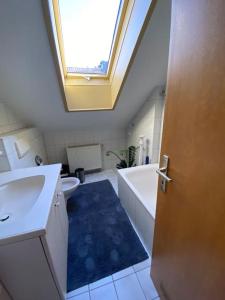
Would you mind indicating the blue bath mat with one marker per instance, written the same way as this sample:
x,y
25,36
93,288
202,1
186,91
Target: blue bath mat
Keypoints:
x,y
102,240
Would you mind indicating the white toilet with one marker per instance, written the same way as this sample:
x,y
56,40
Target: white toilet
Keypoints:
x,y
69,185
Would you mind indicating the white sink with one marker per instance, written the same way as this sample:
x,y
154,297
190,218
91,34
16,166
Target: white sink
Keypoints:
x,y
26,197
19,196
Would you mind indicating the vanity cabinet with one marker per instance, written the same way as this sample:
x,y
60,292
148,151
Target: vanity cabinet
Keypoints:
x,y
55,241
36,268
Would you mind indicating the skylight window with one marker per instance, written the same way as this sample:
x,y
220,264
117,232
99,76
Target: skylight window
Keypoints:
x,y
89,29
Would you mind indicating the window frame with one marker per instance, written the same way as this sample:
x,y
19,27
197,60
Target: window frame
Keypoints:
x,y
113,49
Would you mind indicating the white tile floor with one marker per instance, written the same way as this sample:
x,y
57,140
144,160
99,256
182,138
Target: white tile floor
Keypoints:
x,y
133,283
106,174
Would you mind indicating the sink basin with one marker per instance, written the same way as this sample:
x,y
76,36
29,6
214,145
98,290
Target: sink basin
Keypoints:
x,y
18,197
26,199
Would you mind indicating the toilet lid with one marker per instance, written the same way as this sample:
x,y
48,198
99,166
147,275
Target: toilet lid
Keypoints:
x,y
69,182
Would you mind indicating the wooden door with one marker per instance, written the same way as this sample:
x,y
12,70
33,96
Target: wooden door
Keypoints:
x,y
189,240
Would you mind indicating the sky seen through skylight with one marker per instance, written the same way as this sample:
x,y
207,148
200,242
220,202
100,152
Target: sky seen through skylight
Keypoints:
x,y
87,29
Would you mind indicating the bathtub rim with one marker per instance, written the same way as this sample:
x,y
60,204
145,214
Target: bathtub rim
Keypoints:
x,y
124,172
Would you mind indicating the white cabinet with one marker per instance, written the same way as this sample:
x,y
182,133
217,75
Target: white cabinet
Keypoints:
x,y
37,268
56,241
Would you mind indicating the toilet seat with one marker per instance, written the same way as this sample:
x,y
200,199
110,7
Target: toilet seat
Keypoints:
x,y
69,185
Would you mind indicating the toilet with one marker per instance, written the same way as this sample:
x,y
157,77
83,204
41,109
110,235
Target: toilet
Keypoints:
x,y
69,185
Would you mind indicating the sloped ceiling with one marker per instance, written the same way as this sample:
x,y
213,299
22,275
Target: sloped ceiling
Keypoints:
x,y
28,81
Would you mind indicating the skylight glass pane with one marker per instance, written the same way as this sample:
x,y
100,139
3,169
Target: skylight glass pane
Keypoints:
x,y
88,29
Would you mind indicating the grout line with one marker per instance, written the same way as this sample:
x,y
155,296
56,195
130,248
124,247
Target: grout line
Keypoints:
x,y
76,294
141,269
123,276
112,282
155,298
141,286
89,292
115,290
99,285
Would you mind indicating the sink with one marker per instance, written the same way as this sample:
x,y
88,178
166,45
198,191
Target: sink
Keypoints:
x,y
18,197
26,198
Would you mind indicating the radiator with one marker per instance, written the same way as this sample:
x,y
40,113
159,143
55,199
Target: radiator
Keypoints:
x,y
88,157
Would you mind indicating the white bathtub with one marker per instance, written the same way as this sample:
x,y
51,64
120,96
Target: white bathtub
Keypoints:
x,y
137,189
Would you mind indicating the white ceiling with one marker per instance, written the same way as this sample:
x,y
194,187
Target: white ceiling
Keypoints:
x,y
28,81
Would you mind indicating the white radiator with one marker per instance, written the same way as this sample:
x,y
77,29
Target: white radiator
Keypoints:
x,y
88,157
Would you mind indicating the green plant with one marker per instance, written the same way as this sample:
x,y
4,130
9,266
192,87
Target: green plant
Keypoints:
x,y
129,155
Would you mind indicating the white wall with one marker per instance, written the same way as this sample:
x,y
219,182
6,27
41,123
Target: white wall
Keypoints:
x,y
57,141
8,119
9,159
148,122
12,128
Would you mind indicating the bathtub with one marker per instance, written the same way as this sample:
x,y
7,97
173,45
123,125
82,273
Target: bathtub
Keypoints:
x,y
137,189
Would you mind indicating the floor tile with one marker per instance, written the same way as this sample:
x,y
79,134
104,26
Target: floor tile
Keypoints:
x,y
100,282
147,284
84,296
128,288
142,265
106,174
105,292
81,290
123,273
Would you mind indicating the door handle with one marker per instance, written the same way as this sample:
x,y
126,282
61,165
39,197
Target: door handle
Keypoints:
x,y
162,172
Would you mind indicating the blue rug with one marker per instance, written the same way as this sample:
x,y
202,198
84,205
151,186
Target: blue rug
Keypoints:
x,y
102,240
